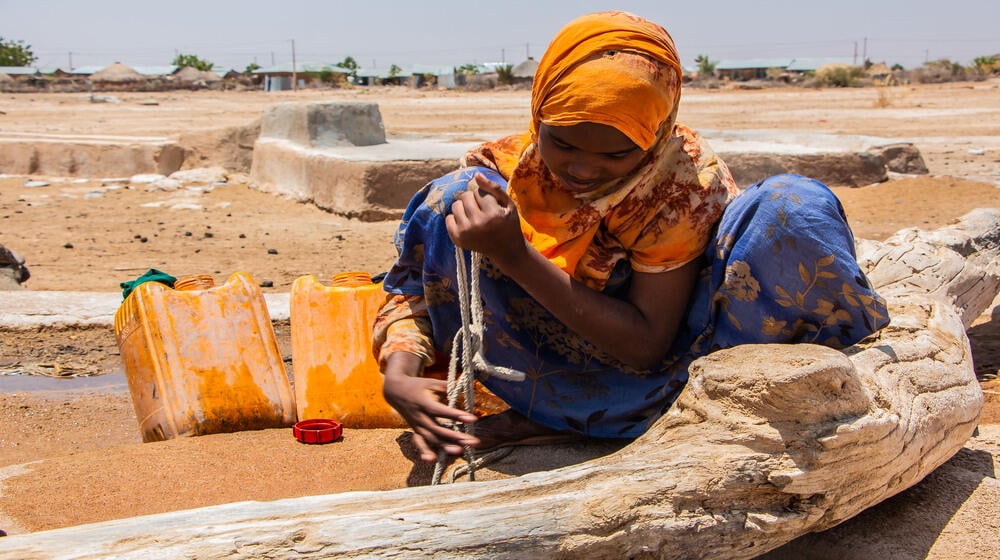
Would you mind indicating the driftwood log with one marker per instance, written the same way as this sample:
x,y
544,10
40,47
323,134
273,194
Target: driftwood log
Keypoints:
x,y
765,444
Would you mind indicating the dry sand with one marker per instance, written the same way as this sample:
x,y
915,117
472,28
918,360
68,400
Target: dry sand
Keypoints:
x,y
65,448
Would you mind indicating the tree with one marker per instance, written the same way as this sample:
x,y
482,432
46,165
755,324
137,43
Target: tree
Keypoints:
x,y
394,71
15,53
706,67
350,65
467,69
986,64
193,61
251,67
505,74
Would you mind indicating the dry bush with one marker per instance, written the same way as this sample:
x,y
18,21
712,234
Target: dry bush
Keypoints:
x,y
839,75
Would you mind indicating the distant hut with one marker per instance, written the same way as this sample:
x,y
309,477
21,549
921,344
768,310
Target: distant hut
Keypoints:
x,y
192,77
524,73
117,73
187,74
880,73
5,79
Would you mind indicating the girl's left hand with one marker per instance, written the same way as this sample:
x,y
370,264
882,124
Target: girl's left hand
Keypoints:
x,y
485,219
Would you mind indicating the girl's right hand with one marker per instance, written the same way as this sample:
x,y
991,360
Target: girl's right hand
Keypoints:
x,y
417,401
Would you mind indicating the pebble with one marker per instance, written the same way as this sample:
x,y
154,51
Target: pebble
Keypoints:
x,y
977,151
146,178
68,246
35,184
267,284
272,251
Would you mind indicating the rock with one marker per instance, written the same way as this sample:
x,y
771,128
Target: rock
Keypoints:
x,y
104,99
852,169
201,175
145,178
901,158
164,184
13,273
35,184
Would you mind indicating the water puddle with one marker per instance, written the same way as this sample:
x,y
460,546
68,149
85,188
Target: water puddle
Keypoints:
x,y
109,383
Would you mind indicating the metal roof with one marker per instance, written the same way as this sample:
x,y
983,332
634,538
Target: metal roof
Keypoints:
x,y
303,67
18,70
382,73
84,70
751,63
791,64
431,69
155,70
809,64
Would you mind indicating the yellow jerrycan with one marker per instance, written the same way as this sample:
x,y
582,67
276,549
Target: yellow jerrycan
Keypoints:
x,y
336,376
202,359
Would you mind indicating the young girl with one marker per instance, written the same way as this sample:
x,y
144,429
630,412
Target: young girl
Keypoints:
x,y
617,249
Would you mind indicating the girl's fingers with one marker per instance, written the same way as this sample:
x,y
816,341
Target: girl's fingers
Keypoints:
x,y
493,189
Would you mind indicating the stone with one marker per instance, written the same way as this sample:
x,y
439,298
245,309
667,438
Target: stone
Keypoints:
x,y
901,158
848,169
13,272
201,175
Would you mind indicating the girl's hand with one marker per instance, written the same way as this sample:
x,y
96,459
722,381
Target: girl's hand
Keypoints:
x,y
416,400
485,219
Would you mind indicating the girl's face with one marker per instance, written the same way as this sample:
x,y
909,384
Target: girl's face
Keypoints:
x,y
586,155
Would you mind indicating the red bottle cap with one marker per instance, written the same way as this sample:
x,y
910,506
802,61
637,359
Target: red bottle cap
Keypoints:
x,y
317,430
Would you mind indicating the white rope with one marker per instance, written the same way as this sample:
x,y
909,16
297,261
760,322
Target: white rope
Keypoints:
x,y
468,345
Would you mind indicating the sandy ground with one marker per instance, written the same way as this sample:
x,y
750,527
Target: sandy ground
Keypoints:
x,y
71,446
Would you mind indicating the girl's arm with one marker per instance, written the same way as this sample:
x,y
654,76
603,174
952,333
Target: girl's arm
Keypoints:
x,y
637,330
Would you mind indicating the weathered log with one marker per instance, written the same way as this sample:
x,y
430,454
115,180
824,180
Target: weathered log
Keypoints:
x,y
765,444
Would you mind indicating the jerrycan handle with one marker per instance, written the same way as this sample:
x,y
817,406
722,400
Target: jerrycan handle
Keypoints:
x,y
194,282
351,279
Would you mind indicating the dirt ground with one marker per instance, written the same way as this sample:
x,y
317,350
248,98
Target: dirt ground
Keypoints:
x,y
90,234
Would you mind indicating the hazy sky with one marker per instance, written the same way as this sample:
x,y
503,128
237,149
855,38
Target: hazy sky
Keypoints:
x,y
235,33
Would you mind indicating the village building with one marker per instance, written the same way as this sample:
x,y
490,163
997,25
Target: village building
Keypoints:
x,y
301,75
764,68
524,73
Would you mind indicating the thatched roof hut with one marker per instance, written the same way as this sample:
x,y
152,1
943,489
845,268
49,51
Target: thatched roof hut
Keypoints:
x,y
192,74
878,70
525,69
118,73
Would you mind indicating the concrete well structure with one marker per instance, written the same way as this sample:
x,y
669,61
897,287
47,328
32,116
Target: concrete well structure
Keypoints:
x,y
335,155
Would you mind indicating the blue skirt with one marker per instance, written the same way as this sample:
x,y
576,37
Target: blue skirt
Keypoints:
x,y
780,268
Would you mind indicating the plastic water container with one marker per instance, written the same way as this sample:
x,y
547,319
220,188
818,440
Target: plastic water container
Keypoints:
x,y
202,359
336,376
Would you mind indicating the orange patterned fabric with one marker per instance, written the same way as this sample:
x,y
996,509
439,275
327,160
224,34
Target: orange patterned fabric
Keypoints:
x,y
619,70
403,325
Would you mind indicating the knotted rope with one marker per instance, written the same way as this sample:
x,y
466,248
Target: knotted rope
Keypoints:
x,y
468,346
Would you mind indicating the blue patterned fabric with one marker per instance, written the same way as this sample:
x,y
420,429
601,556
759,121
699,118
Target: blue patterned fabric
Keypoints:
x,y
781,269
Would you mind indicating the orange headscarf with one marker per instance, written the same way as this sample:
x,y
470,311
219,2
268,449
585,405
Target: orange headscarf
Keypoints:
x,y
620,70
